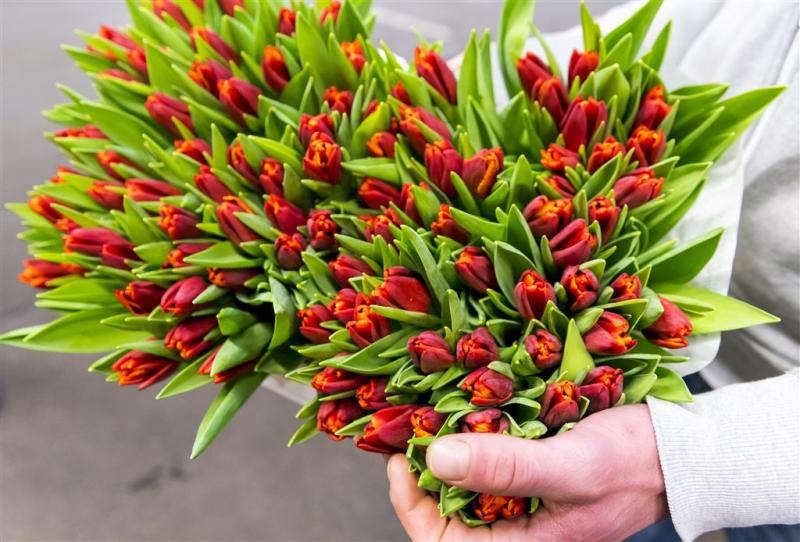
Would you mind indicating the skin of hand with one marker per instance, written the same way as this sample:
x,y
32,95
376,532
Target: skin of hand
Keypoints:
x,y
600,481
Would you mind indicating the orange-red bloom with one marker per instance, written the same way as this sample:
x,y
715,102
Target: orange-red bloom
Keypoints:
x,y
286,21
196,149
582,64
232,279
141,368
179,298
310,319
230,224
149,189
271,177
581,286
367,326
346,267
573,244
371,395
408,125
653,108
211,185
343,305
322,229
289,250
480,172
90,241
637,188
546,216
603,152
239,97
544,348
532,293
355,54
284,215
189,336
381,225
323,160
446,226
560,404
375,194
164,8
330,11
381,145
238,161
208,74
140,297
176,255
432,67
179,223
609,336
492,507
488,387
531,70
441,159
490,420
626,287
38,273
603,210
217,43
477,349
552,95
603,387
165,109
331,380
333,415
43,206
388,431
274,67
476,269
582,119
228,374
426,422
557,158
318,124
338,100
648,145
108,159
561,185
403,290
671,328
430,352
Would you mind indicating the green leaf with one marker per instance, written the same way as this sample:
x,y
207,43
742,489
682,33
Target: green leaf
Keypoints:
x,y
380,168
637,386
682,264
670,387
242,347
313,51
285,319
419,319
88,290
515,23
433,276
223,256
577,361
305,432
476,225
637,26
186,380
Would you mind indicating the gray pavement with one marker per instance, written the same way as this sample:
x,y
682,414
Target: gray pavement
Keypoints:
x,y
84,460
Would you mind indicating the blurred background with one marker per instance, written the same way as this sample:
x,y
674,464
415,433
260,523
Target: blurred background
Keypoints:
x,y
84,460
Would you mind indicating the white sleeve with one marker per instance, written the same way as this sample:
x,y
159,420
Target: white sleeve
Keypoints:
x,y
732,458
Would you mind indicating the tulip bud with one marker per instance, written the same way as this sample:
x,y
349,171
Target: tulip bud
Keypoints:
x,y
331,380
176,255
330,11
371,395
178,223
286,21
476,269
43,206
367,326
90,241
208,74
581,286
477,349
89,131
289,251
626,287
333,415
557,158
346,267
648,145
323,160
285,216
582,119
118,255
108,159
546,216
671,328
532,293
552,95
603,152
230,224
409,128
388,431
231,279
228,374
603,210
115,36
480,171
238,160
560,404
322,230
140,297
544,348
38,273
99,192
573,245
162,8
440,160
399,92
343,305
532,69
138,61
609,336
196,149
581,65
215,42
430,352
352,50
488,387
211,185
381,145
433,69
426,422
653,109
491,420
407,203
446,226
150,189
401,289
165,109
188,337
271,177
142,368
561,185
338,100
375,194
492,507
380,225
310,126
310,319
275,72
179,298
603,387
239,97
637,188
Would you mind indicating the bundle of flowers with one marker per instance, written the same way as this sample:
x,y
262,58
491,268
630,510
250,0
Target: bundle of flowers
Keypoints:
x,y
258,189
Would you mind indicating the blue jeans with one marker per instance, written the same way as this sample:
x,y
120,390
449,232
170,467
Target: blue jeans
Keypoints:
x,y
664,531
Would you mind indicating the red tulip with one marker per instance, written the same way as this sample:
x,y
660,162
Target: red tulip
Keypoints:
x,y
433,69
409,114
637,188
671,328
480,171
352,50
90,241
286,21
162,8
109,159
648,145
141,368
176,255
609,336
557,158
211,185
490,420
323,160
118,255
310,126
388,431
477,349
208,74
239,97
165,109
573,245
401,289
230,224
43,206
367,326
333,415
343,305
552,95
330,11
381,145
531,70
544,349
179,298
231,279
88,131
285,216
38,273
229,6
488,387
560,404
582,64
150,189
441,159
476,269
603,210
117,74
99,192
238,161
492,507
215,42
581,286
140,297
271,177
338,100
289,251
346,267
331,380
546,216
381,225
603,387
426,422
399,92
430,352
138,61
603,152
446,226
274,67
188,337
310,319
196,149
653,109
179,223
582,119
115,36
375,194
626,287
322,229
371,395
561,185
532,293
407,203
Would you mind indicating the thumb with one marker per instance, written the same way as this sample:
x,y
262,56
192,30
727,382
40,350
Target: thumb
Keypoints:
x,y
559,468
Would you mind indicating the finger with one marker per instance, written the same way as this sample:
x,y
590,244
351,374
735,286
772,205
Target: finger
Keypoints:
x,y
559,467
415,509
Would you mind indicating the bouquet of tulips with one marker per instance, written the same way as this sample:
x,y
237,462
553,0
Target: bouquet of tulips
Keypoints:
x,y
258,189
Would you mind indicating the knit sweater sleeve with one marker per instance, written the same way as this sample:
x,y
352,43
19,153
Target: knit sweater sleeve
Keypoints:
x,y
732,458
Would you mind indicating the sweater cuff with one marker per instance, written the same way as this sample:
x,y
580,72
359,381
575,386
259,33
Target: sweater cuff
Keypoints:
x,y
731,458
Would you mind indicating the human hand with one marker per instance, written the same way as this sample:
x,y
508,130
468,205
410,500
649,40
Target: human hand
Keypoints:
x,y
599,481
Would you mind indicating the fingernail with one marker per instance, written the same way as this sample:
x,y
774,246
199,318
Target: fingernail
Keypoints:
x,y
449,459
